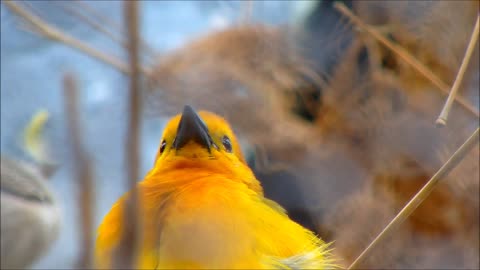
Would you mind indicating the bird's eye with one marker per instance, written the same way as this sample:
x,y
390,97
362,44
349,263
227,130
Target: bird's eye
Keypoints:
x,y
162,146
226,143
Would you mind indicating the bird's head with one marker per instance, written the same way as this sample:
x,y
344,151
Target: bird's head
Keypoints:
x,y
205,143
198,137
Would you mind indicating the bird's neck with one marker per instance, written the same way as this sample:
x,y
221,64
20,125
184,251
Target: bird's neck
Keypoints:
x,y
185,172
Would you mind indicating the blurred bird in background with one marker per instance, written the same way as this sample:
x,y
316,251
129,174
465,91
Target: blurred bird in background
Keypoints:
x,y
202,207
30,217
350,124
30,214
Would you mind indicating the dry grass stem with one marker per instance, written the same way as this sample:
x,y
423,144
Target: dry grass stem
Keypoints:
x,y
421,195
127,252
443,117
82,171
55,34
403,54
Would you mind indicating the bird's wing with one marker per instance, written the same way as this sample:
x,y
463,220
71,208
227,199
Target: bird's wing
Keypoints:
x,y
109,234
310,251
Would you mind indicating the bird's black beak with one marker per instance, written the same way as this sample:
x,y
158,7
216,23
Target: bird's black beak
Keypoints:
x,y
191,128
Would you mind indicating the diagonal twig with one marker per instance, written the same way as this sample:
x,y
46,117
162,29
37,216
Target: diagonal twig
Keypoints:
x,y
101,24
151,53
442,118
407,57
83,173
97,25
451,163
103,19
55,34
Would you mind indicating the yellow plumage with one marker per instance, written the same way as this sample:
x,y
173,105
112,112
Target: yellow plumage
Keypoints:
x,y
202,207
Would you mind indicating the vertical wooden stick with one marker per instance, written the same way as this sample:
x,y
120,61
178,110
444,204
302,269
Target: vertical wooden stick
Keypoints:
x,y
127,252
82,172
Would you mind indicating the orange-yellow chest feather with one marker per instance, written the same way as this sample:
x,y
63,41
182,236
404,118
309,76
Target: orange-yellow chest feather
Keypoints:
x,y
207,226
212,222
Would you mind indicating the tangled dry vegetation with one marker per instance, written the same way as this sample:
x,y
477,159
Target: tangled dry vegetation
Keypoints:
x,y
341,129
358,144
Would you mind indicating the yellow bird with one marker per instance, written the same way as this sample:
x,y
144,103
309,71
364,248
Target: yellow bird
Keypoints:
x,y
201,207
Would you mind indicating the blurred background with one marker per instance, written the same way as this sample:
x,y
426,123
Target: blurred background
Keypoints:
x,y
339,129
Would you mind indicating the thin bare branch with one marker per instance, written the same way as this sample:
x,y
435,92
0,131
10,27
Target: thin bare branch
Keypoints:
x,y
403,54
32,9
246,11
55,34
151,53
83,173
442,118
103,19
97,25
127,252
421,195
